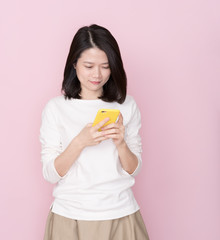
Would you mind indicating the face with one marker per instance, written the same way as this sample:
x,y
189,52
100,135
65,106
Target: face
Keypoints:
x,y
92,69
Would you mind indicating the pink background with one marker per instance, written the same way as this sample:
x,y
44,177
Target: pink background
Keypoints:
x,y
172,57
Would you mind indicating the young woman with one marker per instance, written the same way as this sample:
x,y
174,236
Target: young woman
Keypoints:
x,y
93,170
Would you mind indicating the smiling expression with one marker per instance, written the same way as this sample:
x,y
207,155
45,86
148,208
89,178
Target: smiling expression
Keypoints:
x,y
93,71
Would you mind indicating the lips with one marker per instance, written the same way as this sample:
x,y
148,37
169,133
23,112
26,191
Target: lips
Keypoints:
x,y
95,82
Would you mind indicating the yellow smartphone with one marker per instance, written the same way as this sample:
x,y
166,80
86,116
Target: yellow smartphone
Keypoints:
x,y
112,114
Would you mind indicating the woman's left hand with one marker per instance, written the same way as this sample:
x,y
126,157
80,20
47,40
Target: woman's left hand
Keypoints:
x,y
115,131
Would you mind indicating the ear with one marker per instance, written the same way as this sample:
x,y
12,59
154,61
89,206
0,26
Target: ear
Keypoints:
x,y
74,65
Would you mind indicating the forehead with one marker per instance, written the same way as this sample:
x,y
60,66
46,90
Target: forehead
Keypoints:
x,y
93,55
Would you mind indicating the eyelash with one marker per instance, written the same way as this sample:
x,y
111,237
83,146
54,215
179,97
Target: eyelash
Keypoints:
x,y
102,67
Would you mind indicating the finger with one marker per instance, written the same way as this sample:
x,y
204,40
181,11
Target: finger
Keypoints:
x,y
111,131
99,139
109,126
98,134
100,124
113,136
120,119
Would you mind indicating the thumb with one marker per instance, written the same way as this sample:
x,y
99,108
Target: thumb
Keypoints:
x,y
120,119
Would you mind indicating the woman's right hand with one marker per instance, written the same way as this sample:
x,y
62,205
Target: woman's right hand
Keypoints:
x,y
90,135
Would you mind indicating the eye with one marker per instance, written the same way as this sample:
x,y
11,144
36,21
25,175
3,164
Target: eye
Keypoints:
x,y
88,66
106,67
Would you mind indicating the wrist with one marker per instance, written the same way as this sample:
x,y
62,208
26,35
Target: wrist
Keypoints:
x,y
122,145
78,142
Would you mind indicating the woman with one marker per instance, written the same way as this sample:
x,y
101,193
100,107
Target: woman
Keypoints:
x,y
93,170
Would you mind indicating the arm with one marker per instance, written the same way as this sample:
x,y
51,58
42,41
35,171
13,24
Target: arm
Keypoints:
x,y
89,136
129,160
128,142
56,162
66,159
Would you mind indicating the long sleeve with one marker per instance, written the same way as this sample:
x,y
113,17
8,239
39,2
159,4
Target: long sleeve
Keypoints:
x,y
132,136
96,187
50,144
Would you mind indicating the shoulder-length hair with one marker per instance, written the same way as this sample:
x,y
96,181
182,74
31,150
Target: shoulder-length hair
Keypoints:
x,y
115,88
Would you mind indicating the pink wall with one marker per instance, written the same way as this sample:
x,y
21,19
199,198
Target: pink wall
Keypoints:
x,y
172,56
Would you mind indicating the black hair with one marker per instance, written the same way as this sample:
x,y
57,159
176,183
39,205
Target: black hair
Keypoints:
x,y
115,88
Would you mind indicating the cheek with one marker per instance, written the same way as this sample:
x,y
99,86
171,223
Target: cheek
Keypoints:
x,y
107,75
106,78
82,74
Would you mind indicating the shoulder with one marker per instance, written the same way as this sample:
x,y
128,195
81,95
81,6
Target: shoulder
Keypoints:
x,y
129,109
130,103
55,101
52,105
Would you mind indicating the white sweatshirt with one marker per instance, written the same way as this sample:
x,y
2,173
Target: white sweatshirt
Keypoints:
x,y
96,187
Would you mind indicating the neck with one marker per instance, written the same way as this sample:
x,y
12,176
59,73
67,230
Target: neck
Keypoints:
x,y
89,96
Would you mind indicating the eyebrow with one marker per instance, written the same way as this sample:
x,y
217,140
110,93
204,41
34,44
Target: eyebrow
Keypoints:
x,y
92,62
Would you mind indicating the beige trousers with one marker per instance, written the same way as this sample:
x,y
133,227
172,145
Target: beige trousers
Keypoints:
x,y
130,227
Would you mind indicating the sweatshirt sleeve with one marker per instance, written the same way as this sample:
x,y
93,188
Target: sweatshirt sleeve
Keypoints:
x,y
132,136
50,143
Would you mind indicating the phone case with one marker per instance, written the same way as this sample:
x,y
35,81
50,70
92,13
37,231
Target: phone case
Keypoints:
x,y
104,113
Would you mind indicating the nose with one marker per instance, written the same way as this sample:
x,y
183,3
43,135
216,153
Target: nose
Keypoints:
x,y
97,72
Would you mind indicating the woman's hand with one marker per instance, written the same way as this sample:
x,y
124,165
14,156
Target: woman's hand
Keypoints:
x,y
115,131
90,135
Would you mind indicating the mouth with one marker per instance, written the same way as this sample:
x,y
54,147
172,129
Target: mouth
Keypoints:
x,y
95,82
